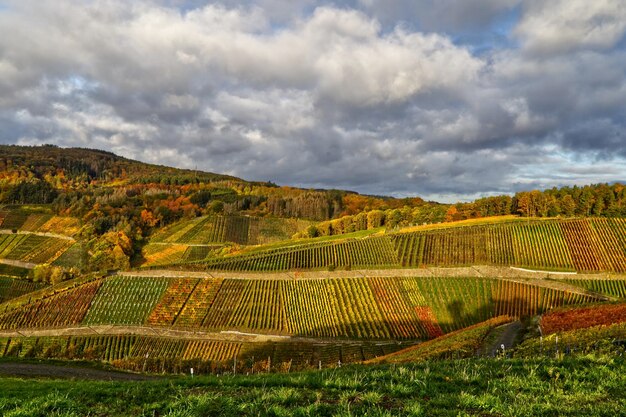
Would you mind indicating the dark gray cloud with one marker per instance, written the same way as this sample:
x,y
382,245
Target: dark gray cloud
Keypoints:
x,y
403,98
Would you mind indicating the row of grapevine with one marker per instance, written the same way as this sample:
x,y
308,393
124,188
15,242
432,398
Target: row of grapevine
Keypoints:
x,y
377,251
522,299
196,253
126,301
64,309
365,308
582,317
32,248
11,287
158,254
455,302
68,226
8,242
248,305
16,219
12,219
209,229
34,221
392,299
143,351
198,302
171,303
244,230
585,245
611,287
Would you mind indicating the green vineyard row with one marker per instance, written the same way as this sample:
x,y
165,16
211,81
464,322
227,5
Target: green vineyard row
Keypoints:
x,y
244,230
157,354
586,245
404,308
11,288
32,248
16,219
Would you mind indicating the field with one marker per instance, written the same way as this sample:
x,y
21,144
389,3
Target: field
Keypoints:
x,y
30,248
460,344
37,220
365,308
584,245
173,355
244,230
11,287
590,387
611,287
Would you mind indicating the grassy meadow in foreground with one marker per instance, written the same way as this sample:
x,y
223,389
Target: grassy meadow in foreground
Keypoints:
x,y
584,386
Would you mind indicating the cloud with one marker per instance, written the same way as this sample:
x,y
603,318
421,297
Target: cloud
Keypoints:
x,y
557,26
340,95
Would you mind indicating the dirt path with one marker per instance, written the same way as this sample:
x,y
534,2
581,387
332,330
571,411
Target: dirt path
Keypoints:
x,y
506,336
479,271
169,332
37,370
21,264
23,232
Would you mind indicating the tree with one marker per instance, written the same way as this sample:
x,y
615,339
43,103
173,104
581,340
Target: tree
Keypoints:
x,y
452,214
568,205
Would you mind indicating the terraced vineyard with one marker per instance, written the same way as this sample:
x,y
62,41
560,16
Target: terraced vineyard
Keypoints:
x,y
589,245
29,221
377,308
361,253
125,301
158,354
610,287
32,248
586,245
244,230
11,287
65,309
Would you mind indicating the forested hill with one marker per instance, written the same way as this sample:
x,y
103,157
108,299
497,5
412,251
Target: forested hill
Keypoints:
x,y
73,167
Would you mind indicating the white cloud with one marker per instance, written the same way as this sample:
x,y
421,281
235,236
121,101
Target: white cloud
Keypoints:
x,y
331,96
563,25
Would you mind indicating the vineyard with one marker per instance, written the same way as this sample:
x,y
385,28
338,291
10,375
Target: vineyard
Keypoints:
x,y
11,288
65,309
160,254
32,248
361,253
377,308
125,301
244,230
588,245
29,221
459,344
610,287
585,245
159,354
580,318
13,271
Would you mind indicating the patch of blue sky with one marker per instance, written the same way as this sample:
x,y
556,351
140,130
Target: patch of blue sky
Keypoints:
x,y
497,35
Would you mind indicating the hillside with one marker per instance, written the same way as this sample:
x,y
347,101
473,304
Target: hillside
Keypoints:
x,y
150,268
583,245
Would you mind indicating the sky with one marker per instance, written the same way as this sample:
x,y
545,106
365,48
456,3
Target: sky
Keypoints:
x,y
449,100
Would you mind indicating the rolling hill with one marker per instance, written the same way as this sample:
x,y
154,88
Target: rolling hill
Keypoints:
x,y
157,269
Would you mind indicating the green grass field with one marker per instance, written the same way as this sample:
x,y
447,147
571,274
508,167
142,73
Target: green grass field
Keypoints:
x,y
585,386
